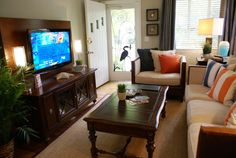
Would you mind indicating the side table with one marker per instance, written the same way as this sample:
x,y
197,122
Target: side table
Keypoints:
x,y
201,61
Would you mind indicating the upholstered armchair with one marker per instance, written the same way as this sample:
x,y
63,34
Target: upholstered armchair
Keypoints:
x,y
175,81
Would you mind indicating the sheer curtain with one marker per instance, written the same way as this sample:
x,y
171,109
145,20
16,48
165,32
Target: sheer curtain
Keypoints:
x,y
167,35
229,32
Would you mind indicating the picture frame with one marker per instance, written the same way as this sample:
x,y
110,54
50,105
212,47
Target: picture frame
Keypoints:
x,y
152,29
152,15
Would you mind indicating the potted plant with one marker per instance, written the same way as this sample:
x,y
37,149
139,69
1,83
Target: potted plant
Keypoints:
x,y
79,62
206,50
13,111
121,91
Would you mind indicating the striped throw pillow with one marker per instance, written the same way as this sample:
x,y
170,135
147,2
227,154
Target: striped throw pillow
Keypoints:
x,y
230,119
212,70
224,86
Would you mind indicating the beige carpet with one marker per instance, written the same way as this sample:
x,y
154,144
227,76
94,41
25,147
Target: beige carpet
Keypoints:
x,y
171,141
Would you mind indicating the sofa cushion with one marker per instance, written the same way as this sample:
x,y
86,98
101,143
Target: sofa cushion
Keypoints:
x,y
151,77
204,111
146,60
155,57
196,91
212,70
224,86
169,63
193,134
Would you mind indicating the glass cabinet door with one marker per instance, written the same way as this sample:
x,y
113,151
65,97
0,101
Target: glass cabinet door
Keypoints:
x,y
82,93
66,101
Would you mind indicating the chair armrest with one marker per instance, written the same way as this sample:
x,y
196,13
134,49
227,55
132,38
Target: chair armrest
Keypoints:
x,y
216,142
183,63
135,68
196,74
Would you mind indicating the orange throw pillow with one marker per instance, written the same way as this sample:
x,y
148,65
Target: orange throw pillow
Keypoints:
x,y
169,63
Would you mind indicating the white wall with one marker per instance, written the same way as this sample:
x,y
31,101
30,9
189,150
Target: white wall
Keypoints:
x,y
150,41
72,10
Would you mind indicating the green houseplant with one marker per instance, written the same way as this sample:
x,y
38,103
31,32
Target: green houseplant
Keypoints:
x,y
121,90
206,50
13,111
79,62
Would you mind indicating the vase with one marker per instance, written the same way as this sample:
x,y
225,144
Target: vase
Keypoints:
x,y
7,150
223,48
122,96
206,56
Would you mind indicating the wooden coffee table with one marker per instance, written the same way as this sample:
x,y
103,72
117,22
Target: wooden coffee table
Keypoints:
x,y
123,118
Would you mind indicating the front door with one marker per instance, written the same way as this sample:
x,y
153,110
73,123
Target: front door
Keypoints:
x,y
123,35
96,32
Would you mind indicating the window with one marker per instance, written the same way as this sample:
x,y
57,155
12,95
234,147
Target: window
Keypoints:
x,y
188,12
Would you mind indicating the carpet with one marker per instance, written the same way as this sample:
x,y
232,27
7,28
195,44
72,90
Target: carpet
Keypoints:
x,y
170,140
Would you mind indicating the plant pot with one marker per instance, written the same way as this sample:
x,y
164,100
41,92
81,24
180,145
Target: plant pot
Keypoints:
x,y
207,56
7,150
122,96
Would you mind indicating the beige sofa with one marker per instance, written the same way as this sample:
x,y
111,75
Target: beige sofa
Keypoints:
x,y
207,137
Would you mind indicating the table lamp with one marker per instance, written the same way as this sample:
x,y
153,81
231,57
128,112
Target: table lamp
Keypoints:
x,y
19,56
210,27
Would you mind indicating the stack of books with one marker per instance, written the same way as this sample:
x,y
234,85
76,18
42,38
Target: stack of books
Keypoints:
x,y
220,59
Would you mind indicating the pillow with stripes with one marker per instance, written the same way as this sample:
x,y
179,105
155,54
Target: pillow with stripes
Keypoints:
x,y
212,70
224,86
230,119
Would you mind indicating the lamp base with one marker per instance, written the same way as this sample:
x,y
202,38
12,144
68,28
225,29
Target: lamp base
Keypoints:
x,y
209,40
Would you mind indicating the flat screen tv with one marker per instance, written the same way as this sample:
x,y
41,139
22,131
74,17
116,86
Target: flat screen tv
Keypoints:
x,y
50,48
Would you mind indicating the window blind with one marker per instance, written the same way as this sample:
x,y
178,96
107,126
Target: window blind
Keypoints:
x,y
188,12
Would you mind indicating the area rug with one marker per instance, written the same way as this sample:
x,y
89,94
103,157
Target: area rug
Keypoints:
x,y
170,138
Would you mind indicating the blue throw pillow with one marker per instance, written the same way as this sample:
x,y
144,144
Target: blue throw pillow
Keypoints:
x,y
212,70
146,60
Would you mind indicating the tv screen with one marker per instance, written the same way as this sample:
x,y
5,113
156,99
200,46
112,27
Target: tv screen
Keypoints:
x,y
50,48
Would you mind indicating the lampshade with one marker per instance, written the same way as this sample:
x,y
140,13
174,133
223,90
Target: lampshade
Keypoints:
x,y
210,26
78,46
19,56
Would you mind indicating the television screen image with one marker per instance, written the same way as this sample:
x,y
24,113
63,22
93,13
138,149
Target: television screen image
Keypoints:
x,y
50,48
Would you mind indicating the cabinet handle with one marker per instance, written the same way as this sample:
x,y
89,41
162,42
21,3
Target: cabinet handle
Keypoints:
x,y
50,111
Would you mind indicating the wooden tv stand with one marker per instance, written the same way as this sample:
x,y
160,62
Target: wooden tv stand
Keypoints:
x,y
61,102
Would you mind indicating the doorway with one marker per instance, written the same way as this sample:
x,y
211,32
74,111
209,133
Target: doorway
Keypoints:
x,y
124,34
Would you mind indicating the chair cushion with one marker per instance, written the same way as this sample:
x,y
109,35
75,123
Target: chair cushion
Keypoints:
x,y
169,63
196,91
212,70
155,57
206,112
151,77
146,60
224,86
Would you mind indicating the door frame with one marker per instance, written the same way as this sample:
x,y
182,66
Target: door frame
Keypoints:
x,y
120,76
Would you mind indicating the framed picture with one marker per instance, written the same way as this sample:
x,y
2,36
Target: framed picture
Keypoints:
x,y
152,30
152,15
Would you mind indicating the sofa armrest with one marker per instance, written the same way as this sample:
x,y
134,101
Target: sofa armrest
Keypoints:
x,y
135,68
183,63
216,142
196,74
